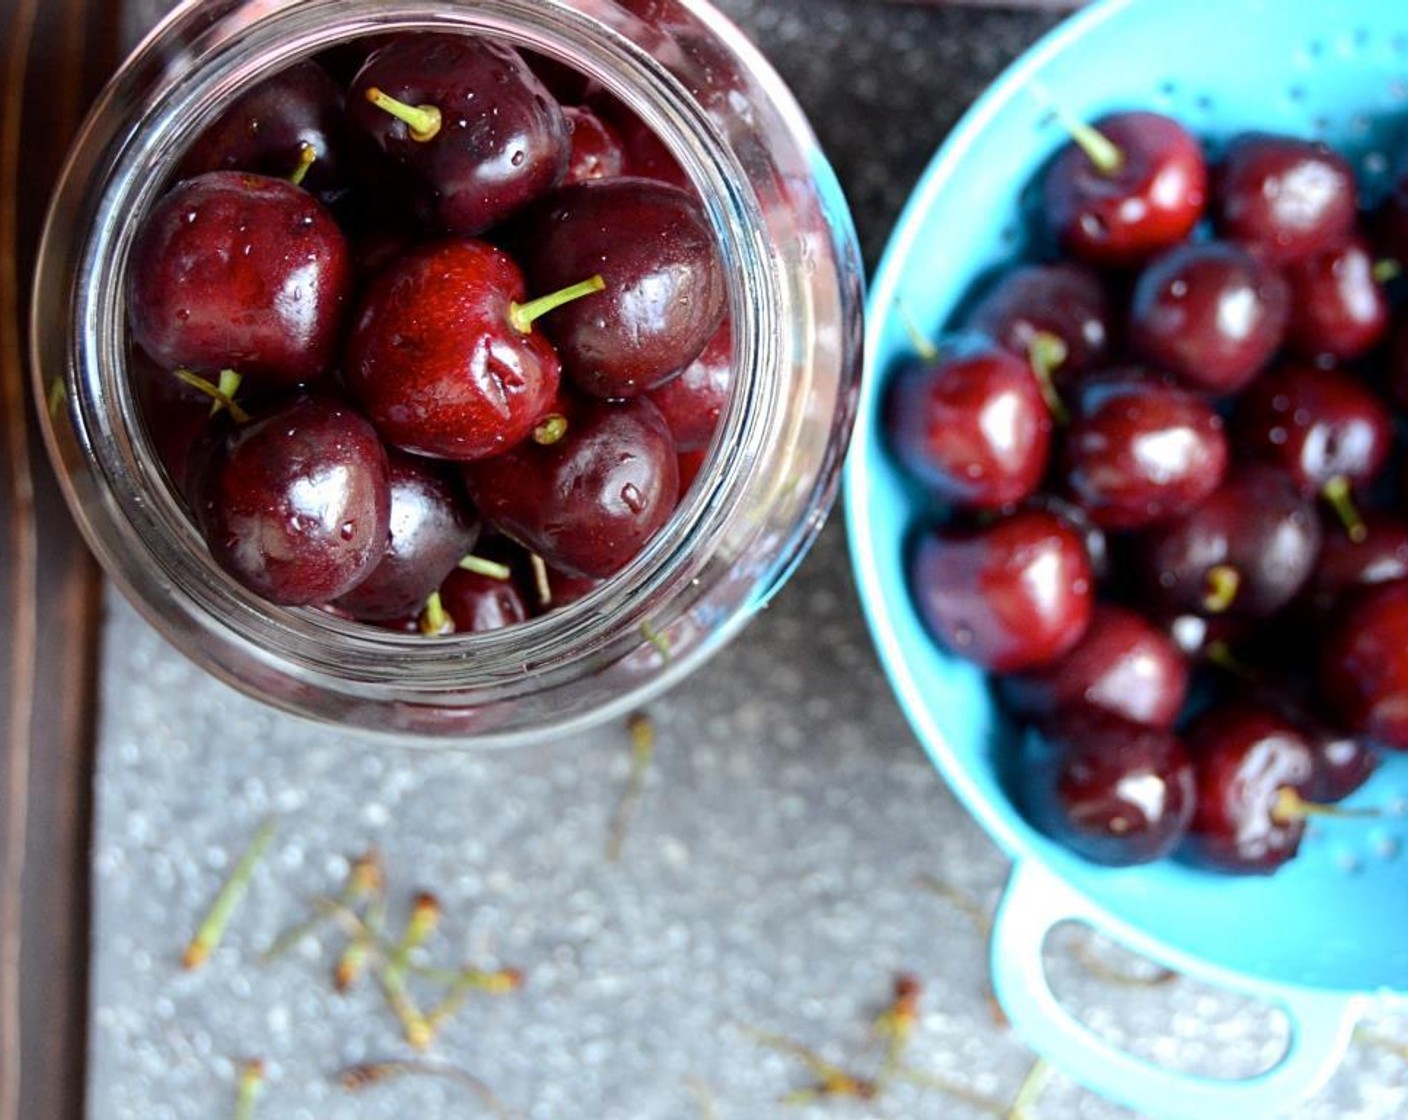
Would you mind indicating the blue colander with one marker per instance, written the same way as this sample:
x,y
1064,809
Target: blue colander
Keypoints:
x,y
1328,932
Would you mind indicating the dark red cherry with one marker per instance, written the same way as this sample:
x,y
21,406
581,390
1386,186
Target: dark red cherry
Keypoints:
x,y
1247,550
693,401
665,291
477,602
1141,195
1011,595
295,504
239,271
1209,312
1139,450
691,463
443,356
1396,373
175,414
269,129
1283,197
1064,301
564,589
1338,308
1346,564
1252,768
468,123
1343,762
646,155
597,152
1364,664
1115,793
589,502
1123,666
971,424
431,529
1324,428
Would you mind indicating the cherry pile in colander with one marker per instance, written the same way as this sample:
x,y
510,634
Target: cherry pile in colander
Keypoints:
x,y
1170,501
428,332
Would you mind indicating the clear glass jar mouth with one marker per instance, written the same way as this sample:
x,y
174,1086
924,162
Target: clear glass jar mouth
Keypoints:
x,y
156,555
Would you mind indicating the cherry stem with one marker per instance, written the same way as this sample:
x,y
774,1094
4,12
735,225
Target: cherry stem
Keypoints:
x,y
541,583
1290,807
550,429
211,930
247,1088
1047,353
222,394
434,619
489,569
1387,270
1219,653
1223,583
1339,494
926,350
307,156
422,120
523,315
1098,148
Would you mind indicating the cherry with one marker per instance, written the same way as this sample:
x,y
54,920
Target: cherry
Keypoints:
x,y
646,155
1120,201
1324,428
176,415
1064,301
1247,550
296,504
443,356
1011,595
289,125
693,401
691,463
1209,312
588,502
476,602
665,289
1115,793
1338,308
1283,197
1347,564
1139,450
971,424
239,271
1364,664
1343,762
597,152
431,529
1252,769
467,122
1123,666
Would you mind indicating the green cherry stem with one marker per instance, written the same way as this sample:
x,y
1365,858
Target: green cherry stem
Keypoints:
x,y
523,315
550,429
1047,353
1387,270
1341,498
307,156
1105,155
926,350
434,618
223,394
489,569
1290,807
422,120
1223,583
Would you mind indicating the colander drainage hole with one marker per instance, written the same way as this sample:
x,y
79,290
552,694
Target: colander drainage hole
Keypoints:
x,y
1397,89
1387,847
1348,862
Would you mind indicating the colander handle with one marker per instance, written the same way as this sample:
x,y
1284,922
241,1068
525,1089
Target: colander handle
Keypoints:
x,y
1034,903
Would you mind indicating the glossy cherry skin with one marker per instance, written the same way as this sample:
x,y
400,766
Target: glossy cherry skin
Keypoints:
x,y
1209,312
1316,425
502,143
1339,311
971,425
665,292
1255,525
1139,450
1063,300
1283,197
266,130
693,401
175,415
1116,793
597,152
1123,666
1364,665
1151,203
1343,762
239,271
1243,757
1346,565
431,530
296,504
476,603
437,364
588,503
1011,595
646,155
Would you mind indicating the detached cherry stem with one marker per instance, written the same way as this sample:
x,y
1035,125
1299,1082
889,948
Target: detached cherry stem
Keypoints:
x,y
1047,353
1223,583
422,120
523,315
1290,807
211,931
1340,496
251,1080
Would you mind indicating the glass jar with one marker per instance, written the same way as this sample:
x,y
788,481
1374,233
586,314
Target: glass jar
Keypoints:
x,y
795,299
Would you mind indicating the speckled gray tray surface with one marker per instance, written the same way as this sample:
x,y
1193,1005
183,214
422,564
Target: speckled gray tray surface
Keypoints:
x,y
772,878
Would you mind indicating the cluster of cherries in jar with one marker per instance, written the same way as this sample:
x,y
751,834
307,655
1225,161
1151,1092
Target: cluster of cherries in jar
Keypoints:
x,y
429,332
1171,516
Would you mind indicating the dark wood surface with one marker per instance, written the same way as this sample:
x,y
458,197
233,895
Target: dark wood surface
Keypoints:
x,y
53,56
